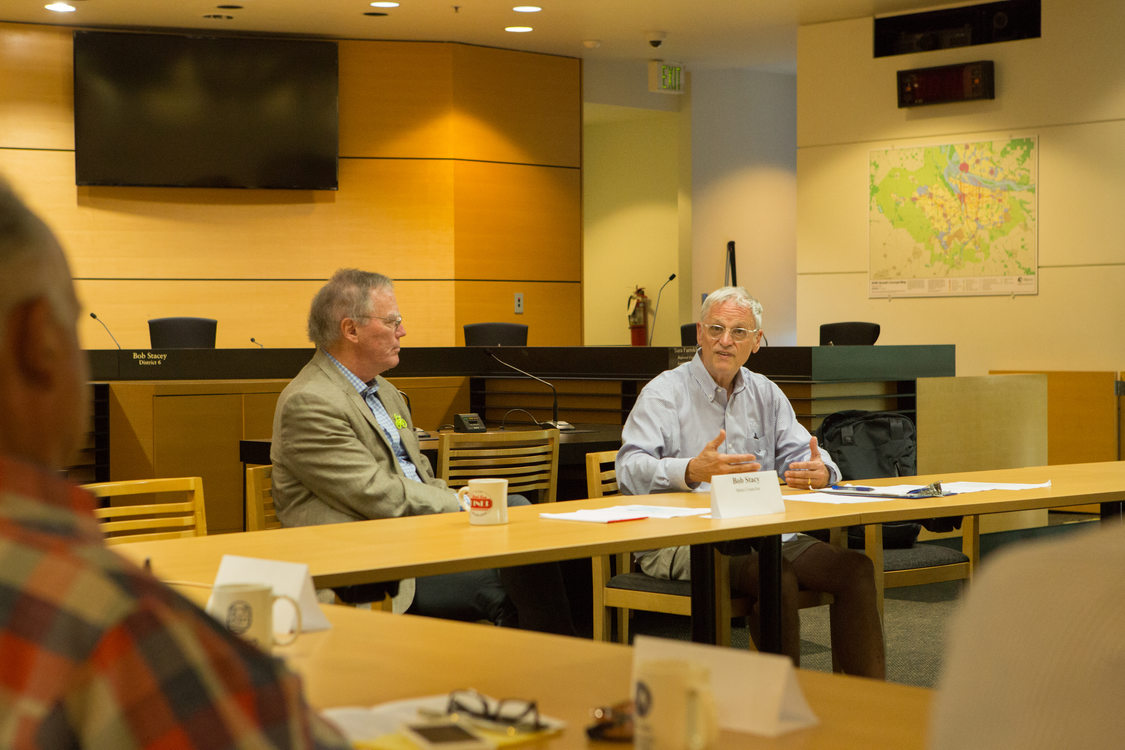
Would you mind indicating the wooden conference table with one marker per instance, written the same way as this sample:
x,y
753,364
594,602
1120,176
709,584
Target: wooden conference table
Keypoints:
x,y
395,548
368,658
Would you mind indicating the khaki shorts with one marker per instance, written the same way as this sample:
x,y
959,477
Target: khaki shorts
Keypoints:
x,y
675,562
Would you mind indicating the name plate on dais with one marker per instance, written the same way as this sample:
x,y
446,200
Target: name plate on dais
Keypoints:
x,y
754,493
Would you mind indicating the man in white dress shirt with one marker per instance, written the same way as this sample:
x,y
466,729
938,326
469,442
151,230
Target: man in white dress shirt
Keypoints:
x,y
713,416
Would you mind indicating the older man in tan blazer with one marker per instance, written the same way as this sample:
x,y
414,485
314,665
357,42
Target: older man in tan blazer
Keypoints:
x,y
344,449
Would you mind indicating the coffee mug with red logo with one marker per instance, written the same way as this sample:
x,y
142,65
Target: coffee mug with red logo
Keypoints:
x,y
486,500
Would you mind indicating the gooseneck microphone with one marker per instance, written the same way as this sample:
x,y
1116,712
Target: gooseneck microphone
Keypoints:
x,y
561,426
255,341
656,307
95,317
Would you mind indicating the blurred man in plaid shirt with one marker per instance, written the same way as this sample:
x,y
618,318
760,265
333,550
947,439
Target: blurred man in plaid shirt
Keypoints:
x,y
93,651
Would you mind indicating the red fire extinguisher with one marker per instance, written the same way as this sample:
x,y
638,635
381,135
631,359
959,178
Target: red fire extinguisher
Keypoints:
x,y
638,316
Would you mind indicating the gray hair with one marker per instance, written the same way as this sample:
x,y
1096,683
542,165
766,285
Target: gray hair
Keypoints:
x,y
346,295
31,261
736,295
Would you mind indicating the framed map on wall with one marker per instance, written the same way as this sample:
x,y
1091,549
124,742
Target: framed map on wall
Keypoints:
x,y
958,219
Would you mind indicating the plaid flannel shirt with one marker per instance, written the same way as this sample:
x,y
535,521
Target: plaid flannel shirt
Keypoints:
x,y
96,653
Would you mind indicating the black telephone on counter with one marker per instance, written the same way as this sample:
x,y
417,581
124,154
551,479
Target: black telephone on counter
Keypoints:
x,y
468,423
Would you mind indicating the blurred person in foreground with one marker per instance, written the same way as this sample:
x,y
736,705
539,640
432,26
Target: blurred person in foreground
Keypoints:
x,y
95,652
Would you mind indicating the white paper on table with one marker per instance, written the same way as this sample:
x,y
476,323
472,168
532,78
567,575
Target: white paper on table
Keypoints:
x,y
624,513
291,579
902,492
754,692
362,723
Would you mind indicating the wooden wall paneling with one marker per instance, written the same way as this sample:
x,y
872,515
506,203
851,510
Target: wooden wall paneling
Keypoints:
x,y
396,99
275,312
518,222
517,107
130,430
257,413
434,401
1082,419
1121,420
197,435
36,87
552,312
984,422
397,214
1081,415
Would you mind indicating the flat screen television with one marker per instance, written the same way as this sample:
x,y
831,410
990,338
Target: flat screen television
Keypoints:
x,y
165,110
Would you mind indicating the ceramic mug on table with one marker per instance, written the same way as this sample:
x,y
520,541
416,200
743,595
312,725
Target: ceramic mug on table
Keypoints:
x,y
246,609
486,500
674,705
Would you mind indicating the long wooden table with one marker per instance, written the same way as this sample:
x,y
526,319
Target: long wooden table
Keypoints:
x,y
391,549
369,658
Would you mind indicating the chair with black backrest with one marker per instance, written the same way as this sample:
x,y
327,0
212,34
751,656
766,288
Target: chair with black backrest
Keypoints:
x,y
617,584
178,512
849,334
182,333
495,334
528,459
687,335
261,516
872,445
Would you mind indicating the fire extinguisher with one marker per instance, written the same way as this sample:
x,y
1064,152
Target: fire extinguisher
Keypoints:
x,y
638,316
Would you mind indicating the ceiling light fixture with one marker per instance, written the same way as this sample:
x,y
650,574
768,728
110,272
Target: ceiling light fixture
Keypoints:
x,y
518,29
527,9
60,8
384,4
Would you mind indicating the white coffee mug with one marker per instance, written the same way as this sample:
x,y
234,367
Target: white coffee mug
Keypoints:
x,y
246,609
675,707
486,500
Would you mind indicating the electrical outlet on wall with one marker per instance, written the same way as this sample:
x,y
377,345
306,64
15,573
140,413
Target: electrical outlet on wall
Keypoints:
x,y
519,303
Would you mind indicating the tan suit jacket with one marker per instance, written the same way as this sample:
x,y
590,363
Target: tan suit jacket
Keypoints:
x,y
333,463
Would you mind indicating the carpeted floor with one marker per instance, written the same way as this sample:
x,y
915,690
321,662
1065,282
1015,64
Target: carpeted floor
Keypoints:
x,y
914,619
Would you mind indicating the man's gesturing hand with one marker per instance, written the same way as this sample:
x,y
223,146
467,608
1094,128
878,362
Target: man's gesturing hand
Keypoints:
x,y
809,474
710,462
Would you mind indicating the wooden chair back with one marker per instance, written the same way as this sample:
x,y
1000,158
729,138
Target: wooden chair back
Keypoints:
x,y
601,474
180,513
528,459
260,513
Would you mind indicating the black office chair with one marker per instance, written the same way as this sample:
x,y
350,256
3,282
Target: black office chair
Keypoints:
x,y
687,334
182,333
848,334
495,334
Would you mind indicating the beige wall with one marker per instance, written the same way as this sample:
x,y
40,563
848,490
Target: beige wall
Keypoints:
x,y
631,197
1068,89
460,175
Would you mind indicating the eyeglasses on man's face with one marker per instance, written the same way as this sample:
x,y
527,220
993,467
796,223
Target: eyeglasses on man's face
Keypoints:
x,y
716,331
392,321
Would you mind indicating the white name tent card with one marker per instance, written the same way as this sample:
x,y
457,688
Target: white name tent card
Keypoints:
x,y
291,579
754,493
754,692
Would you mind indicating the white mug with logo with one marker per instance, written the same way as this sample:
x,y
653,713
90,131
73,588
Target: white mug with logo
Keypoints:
x,y
675,707
486,500
246,609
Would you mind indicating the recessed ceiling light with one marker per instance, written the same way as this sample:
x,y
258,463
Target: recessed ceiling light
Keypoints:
x,y
527,9
60,8
518,29
229,7
374,13
384,4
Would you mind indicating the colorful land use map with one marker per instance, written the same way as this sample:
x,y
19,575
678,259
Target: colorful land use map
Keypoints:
x,y
955,219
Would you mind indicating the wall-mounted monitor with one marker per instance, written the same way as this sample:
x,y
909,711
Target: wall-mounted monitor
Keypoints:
x,y
165,110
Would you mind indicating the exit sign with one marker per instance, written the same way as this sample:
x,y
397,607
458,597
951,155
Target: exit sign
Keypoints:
x,y
665,78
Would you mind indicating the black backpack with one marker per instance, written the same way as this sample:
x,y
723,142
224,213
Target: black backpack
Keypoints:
x,y
871,445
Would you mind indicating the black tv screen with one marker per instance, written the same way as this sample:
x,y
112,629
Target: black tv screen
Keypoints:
x,y
183,111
